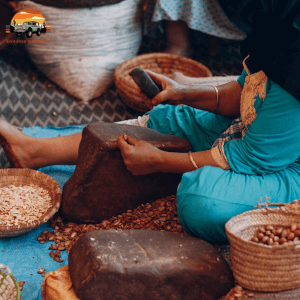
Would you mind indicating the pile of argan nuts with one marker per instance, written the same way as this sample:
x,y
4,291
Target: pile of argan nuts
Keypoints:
x,y
272,236
237,293
160,215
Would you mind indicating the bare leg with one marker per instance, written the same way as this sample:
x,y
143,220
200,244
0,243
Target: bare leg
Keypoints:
x,y
177,34
24,151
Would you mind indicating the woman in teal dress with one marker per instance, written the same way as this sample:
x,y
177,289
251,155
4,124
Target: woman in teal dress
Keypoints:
x,y
245,135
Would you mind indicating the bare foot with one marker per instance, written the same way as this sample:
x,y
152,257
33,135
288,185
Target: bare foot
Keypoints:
x,y
18,147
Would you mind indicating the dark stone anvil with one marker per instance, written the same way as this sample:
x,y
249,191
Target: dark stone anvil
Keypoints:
x,y
102,187
147,265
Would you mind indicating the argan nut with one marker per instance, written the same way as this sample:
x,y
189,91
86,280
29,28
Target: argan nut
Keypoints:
x,y
291,236
282,240
297,232
264,239
275,244
56,259
271,236
260,235
52,255
280,229
276,239
21,284
269,227
53,247
284,233
41,270
268,232
255,239
270,241
238,288
294,226
262,230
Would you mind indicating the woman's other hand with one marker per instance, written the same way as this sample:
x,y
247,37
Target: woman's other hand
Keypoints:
x,y
172,91
140,157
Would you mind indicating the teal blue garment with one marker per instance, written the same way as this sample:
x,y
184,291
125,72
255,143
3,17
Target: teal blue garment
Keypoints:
x,y
200,128
273,140
208,197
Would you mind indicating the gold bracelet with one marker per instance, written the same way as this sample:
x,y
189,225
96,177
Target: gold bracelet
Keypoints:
x,y
217,91
193,162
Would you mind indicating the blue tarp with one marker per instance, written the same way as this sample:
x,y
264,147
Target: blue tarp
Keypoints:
x,y
24,255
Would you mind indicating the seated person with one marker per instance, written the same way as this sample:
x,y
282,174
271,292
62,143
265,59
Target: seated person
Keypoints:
x,y
245,134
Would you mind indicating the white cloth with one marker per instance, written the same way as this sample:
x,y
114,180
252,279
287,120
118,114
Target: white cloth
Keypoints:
x,y
140,121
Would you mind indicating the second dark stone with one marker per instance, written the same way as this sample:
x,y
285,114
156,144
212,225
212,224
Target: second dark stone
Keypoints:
x,y
147,265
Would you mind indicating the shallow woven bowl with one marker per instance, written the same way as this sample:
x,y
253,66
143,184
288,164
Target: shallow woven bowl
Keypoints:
x,y
161,63
19,177
261,267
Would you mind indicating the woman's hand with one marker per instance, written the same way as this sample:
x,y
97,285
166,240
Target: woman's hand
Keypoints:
x,y
172,91
140,157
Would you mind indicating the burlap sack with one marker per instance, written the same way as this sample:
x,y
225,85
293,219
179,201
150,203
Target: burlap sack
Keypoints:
x,y
85,45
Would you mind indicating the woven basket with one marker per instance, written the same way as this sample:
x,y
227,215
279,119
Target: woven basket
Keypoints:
x,y
9,287
19,177
161,63
261,267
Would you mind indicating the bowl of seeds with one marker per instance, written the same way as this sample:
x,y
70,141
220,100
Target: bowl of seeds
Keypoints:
x,y
28,199
265,247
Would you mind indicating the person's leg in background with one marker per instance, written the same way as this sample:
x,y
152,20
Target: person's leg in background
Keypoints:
x,y
205,16
177,38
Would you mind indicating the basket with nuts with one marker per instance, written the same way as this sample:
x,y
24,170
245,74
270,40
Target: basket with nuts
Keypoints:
x,y
277,235
265,247
28,199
